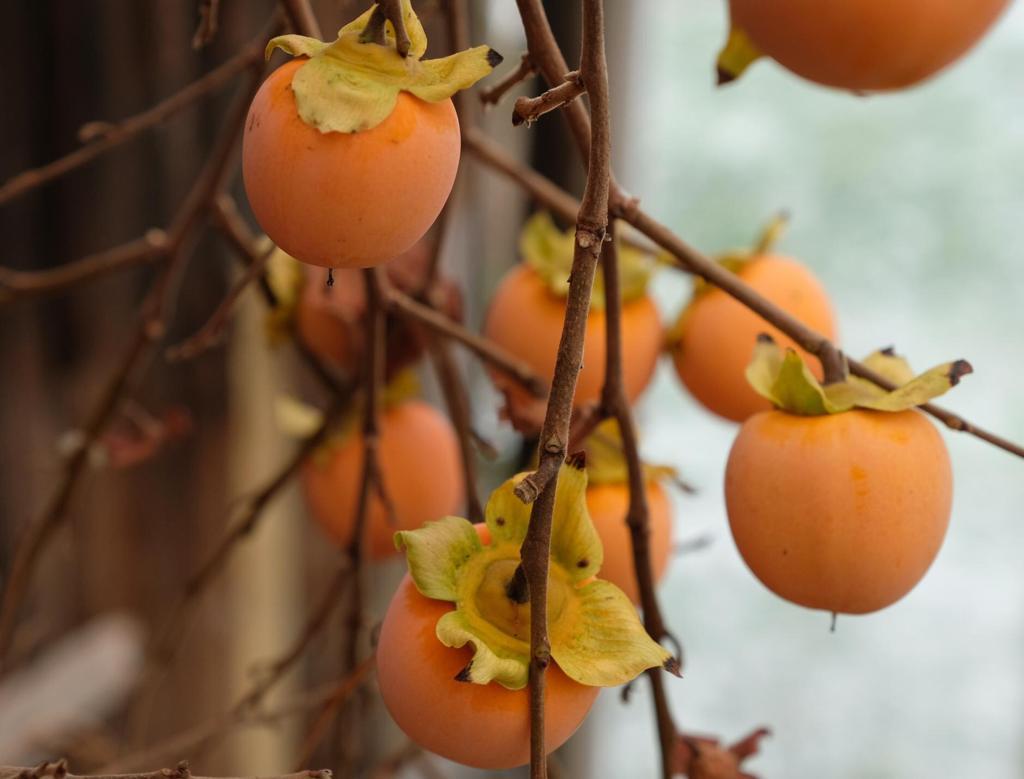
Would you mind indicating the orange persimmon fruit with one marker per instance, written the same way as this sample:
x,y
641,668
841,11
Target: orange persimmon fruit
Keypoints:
x,y
332,320
418,453
861,45
608,505
525,318
480,725
347,200
453,656
843,512
715,334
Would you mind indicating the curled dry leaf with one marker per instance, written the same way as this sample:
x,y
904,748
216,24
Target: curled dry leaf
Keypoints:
x,y
704,757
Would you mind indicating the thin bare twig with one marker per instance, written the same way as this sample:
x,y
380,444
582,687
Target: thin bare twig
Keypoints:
x,y
591,224
211,333
59,770
493,94
457,400
530,109
301,17
616,403
370,486
32,285
485,349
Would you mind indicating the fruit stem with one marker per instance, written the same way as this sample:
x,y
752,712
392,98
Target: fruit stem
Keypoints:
x,y
376,29
518,589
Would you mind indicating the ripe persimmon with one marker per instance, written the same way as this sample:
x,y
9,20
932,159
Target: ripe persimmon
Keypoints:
x,y
453,658
347,200
419,459
480,725
528,308
863,45
715,334
331,320
843,512
608,505
350,152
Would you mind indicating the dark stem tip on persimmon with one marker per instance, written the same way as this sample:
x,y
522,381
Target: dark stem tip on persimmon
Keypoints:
x,y
959,369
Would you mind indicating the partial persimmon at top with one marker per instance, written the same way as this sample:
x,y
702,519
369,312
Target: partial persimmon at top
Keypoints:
x,y
860,45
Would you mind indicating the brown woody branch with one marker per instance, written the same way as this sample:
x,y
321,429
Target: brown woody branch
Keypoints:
x,y
457,400
212,331
59,770
242,527
550,63
616,404
301,17
542,189
530,109
371,483
209,22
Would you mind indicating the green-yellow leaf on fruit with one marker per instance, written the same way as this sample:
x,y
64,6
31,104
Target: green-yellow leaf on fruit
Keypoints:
x,y
350,85
796,388
507,667
738,54
784,379
593,627
549,252
575,544
606,645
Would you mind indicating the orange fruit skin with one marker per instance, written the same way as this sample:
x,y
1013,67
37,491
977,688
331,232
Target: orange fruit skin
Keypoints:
x,y
480,725
419,456
865,45
526,319
717,334
843,512
347,200
608,505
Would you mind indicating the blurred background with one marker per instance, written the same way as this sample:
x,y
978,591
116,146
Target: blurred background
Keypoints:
x,y
907,206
